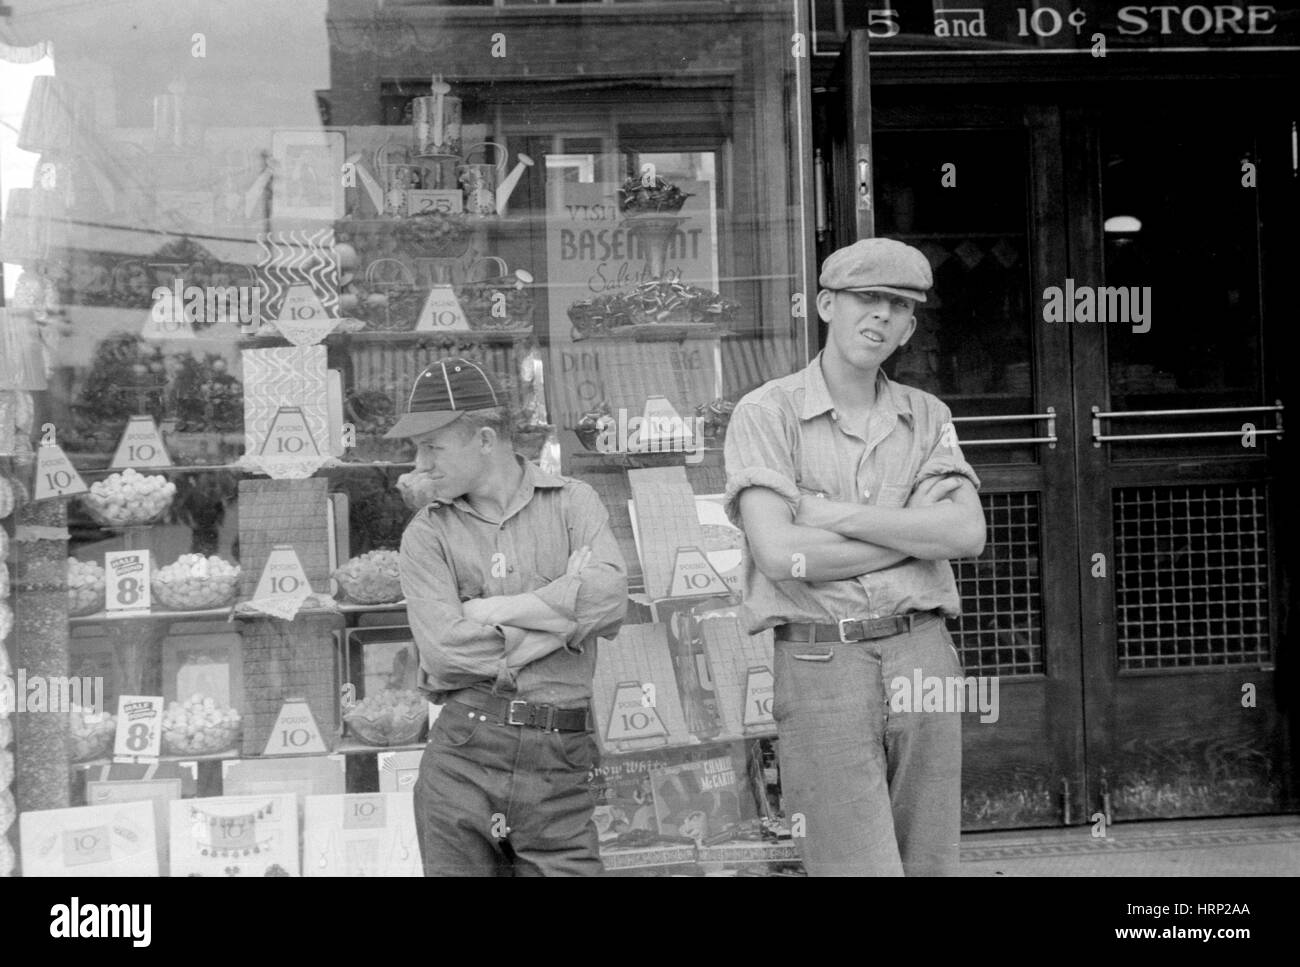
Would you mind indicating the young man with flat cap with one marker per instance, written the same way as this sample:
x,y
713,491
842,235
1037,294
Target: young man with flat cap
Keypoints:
x,y
510,575
853,496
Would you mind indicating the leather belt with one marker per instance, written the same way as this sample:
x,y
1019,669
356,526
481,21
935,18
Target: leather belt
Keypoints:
x,y
855,629
530,715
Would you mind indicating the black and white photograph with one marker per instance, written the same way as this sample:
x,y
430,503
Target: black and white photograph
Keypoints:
x,y
808,439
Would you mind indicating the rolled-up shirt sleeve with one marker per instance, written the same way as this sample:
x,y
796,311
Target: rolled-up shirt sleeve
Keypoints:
x,y
595,599
758,454
454,651
945,457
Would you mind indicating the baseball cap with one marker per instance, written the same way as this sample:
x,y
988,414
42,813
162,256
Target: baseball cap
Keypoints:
x,y
445,390
878,265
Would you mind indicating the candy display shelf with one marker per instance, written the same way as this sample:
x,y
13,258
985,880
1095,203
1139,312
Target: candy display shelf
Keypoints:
x,y
412,335
233,753
351,746
659,332
226,612
236,468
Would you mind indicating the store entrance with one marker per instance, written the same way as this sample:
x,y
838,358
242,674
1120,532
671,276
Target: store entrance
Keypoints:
x,y
1101,308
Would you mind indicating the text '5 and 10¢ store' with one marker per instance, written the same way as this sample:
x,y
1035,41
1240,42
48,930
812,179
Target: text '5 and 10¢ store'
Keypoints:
x,y
233,234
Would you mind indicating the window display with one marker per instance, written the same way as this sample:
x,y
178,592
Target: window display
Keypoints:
x,y
232,237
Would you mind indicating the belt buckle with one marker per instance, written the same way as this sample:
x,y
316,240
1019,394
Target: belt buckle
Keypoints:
x,y
842,622
510,715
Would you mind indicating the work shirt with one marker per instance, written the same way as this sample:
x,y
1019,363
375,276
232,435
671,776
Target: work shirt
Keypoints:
x,y
452,553
788,437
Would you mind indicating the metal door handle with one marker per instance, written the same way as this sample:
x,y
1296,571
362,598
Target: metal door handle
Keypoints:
x,y
1098,438
1049,416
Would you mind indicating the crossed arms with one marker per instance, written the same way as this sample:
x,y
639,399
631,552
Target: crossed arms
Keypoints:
x,y
492,638
831,540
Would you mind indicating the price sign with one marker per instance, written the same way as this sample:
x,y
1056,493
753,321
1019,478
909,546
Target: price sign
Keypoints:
x,y
631,718
139,727
141,446
759,689
303,318
295,731
55,474
426,201
283,586
442,312
365,812
89,845
168,318
127,579
694,575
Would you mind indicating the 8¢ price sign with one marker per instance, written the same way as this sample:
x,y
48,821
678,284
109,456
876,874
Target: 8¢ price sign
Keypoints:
x,y
127,581
139,727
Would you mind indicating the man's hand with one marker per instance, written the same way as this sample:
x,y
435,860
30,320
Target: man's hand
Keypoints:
x,y
931,490
813,511
480,610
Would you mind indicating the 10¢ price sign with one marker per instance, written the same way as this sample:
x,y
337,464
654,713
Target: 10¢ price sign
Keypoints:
x,y
139,727
127,581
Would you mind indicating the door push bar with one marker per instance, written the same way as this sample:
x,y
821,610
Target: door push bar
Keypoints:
x,y
1049,416
1097,416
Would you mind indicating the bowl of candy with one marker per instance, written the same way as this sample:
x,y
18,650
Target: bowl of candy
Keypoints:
x,y
435,235
393,716
199,726
86,584
499,302
194,583
90,733
128,498
371,578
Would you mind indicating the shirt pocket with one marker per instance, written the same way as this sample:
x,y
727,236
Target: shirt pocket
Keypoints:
x,y
893,495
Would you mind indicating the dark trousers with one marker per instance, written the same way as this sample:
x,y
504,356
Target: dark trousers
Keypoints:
x,y
498,800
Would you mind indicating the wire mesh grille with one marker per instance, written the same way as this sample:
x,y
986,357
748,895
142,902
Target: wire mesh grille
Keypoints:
x,y
1000,629
1191,575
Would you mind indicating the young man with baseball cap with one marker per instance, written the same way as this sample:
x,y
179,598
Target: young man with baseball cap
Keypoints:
x,y
853,496
510,575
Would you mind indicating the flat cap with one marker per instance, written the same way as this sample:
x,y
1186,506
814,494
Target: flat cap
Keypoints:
x,y
878,265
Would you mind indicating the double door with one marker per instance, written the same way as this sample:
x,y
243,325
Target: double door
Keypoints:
x,y
1110,272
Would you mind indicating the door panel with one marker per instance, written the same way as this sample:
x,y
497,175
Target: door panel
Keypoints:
x,y
992,227
1181,632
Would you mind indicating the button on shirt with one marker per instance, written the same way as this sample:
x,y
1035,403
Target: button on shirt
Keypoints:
x,y
787,436
452,553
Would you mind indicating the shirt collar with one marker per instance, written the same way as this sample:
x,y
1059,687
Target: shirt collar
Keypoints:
x,y
534,478
817,395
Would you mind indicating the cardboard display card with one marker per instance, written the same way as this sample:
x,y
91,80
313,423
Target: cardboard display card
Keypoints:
x,y
115,839
234,836
367,834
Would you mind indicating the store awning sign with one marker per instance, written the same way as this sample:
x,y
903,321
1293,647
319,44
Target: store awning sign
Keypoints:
x,y
969,26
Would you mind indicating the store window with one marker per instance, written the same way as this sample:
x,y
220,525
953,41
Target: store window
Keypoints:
x,y
232,236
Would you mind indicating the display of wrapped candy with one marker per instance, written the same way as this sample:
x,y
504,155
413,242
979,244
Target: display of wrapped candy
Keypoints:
x,y
496,304
433,235
194,582
126,498
86,583
716,416
638,198
372,578
90,733
198,727
657,302
394,716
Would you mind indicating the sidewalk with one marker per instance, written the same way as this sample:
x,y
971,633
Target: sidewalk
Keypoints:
x,y
1250,846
